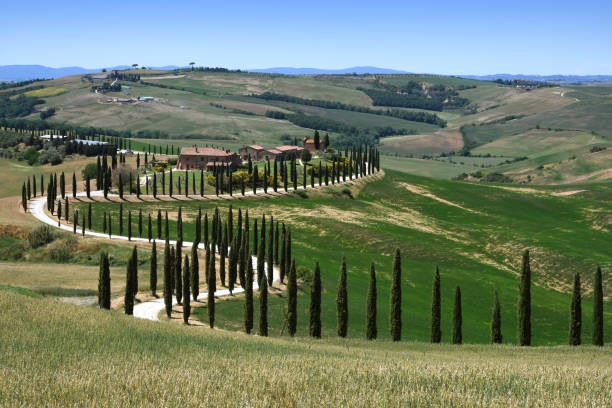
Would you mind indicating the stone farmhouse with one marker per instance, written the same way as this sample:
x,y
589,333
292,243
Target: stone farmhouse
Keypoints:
x,y
258,153
206,158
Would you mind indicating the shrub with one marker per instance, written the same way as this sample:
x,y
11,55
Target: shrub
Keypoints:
x,y
172,161
40,236
91,171
63,250
51,155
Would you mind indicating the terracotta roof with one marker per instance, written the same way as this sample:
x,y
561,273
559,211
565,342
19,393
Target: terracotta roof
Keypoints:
x,y
309,141
203,151
286,148
274,151
255,147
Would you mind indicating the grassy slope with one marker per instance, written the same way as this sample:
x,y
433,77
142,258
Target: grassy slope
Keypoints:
x,y
480,250
47,347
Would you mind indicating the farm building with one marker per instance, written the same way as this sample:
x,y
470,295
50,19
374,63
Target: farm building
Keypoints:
x,y
258,153
197,158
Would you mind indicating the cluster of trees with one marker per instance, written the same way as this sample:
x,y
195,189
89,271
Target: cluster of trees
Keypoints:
x,y
106,86
47,113
16,107
417,95
124,76
330,125
424,117
8,85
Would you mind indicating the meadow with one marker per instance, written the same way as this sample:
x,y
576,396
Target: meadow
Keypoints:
x,y
474,233
47,347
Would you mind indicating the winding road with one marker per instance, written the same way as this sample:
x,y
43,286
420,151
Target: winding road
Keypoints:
x,y
145,310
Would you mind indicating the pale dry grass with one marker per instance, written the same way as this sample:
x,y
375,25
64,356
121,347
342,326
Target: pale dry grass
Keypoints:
x,y
63,355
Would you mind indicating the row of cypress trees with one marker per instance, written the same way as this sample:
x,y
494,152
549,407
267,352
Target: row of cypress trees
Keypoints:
x,y
395,317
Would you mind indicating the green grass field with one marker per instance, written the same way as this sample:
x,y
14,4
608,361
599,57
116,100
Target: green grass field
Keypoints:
x,y
474,233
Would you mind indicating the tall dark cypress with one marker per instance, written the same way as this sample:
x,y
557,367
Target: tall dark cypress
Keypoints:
x,y
195,273
598,323
263,308
153,271
371,312
168,270
496,333
149,229
283,254
248,297
395,303
276,244
342,301
131,284
104,282
74,185
178,272
457,318
186,287
315,304
292,301
524,303
436,310
261,275
129,225
222,258
270,250
575,328
212,287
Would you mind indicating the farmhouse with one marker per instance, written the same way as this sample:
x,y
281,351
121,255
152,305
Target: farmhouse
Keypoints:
x,y
258,153
197,158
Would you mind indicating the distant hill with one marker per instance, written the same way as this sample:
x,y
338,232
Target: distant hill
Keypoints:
x,y
320,71
559,78
24,72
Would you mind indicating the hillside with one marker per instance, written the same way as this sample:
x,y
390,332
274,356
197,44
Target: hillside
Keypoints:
x,y
547,125
129,362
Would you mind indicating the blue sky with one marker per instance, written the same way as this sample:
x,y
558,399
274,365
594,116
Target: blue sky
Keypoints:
x,y
445,37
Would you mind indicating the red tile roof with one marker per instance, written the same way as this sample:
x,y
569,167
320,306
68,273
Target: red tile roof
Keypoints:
x,y
203,151
286,148
255,147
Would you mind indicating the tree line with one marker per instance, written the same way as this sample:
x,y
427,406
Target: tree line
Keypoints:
x,y
424,117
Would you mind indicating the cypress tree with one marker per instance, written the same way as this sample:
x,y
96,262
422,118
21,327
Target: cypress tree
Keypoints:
x,y
261,275
270,260
168,262
436,312
153,271
186,294
178,272
149,229
283,254
342,301
104,282
457,318
371,327
159,224
212,287
575,328
129,225
87,187
395,315
263,308
248,297
140,223
74,185
524,303
131,284
496,333
195,273
222,251
598,333
292,301
315,304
